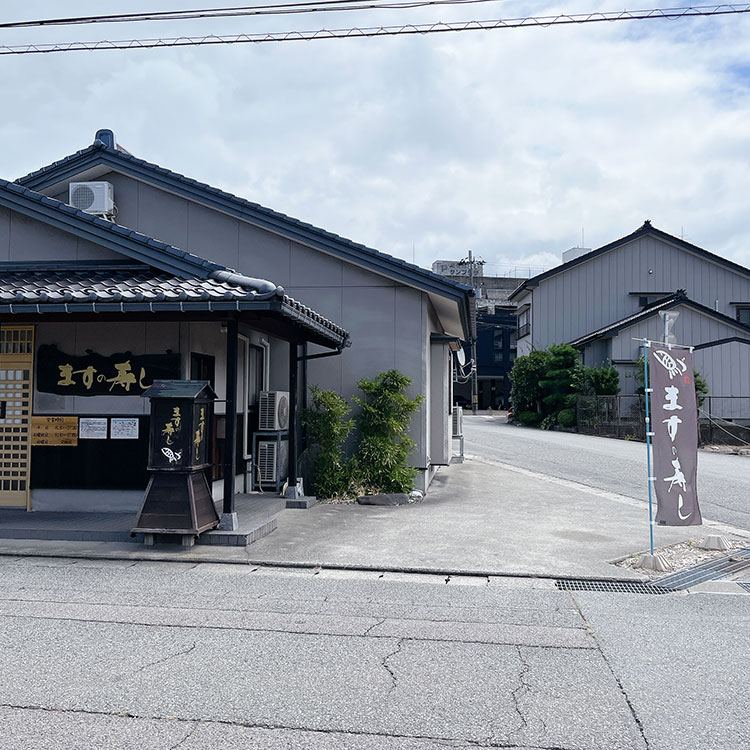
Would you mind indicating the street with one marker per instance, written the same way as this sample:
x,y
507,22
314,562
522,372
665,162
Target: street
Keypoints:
x,y
261,653
99,654
608,464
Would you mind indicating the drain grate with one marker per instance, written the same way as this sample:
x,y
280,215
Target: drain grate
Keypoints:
x,y
713,570
614,587
745,585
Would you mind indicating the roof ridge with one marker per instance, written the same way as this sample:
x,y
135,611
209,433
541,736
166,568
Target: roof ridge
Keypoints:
x,y
676,298
243,202
204,267
645,228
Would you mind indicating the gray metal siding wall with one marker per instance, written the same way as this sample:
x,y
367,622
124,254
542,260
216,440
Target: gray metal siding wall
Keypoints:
x,y
596,293
22,238
439,404
692,328
727,369
388,322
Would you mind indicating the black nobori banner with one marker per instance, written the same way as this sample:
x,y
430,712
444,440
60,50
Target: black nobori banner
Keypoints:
x,y
94,374
674,422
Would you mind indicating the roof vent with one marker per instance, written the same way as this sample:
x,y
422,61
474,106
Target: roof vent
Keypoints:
x,y
107,137
92,197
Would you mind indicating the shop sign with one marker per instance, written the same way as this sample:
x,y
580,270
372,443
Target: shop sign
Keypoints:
x,y
94,374
54,431
674,416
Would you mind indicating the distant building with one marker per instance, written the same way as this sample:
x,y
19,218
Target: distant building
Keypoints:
x,y
604,301
495,331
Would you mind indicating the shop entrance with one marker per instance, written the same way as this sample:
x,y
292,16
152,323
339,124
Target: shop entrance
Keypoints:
x,y
16,372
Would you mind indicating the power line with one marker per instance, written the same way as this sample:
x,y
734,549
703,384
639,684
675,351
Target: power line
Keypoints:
x,y
375,31
320,6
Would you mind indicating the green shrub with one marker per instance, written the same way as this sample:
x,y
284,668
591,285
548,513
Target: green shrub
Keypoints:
x,y
603,380
529,417
567,418
549,422
328,428
527,371
384,446
701,387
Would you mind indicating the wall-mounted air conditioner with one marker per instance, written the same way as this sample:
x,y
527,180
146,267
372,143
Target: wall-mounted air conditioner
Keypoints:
x,y
273,410
458,421
92,197
272,462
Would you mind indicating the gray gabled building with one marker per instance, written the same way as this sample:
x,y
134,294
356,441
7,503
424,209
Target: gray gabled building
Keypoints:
x,y
605,299
179,268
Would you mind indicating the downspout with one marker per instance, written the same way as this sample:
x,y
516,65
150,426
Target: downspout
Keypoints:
x,y
294,359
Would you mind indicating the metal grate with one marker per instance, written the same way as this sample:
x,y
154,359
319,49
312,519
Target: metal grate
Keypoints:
x,y
713,570
613,587
745,585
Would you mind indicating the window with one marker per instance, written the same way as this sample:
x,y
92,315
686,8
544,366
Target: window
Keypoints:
x,y
202,367
497,345
743,315
524,326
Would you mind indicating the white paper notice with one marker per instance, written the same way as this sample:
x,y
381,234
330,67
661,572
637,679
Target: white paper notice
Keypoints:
x,y
123,428
93,428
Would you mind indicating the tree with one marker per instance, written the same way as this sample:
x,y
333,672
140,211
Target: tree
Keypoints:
x,y
328,429
384,446
560,383
525,391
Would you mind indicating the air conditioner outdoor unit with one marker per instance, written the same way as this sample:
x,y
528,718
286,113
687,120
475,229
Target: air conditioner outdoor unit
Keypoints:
x,y
92,197
272,461
458,421
274,410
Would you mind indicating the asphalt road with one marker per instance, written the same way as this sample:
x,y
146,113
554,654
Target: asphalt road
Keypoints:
x,y
160,656
611,465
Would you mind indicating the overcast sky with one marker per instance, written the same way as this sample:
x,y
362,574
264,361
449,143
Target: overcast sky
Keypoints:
x,y
510,143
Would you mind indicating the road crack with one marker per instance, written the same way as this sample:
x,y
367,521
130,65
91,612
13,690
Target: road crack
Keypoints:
x,y
187,736
521,690
376,624
616,678
168,657
387,667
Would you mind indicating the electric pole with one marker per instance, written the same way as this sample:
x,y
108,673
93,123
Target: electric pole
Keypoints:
x,y
474,383
473,333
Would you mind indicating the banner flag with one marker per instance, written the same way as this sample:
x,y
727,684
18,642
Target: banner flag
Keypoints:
x,y
674,422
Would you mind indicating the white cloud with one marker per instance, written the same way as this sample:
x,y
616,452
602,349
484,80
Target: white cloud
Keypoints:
x,y
508,143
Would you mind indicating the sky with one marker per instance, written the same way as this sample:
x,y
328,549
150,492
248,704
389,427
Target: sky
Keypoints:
x,y
514,144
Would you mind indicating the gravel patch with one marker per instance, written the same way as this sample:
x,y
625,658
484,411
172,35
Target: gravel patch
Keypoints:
x,y
681,556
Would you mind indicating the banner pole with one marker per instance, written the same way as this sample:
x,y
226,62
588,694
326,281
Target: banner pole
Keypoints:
x,y
648,390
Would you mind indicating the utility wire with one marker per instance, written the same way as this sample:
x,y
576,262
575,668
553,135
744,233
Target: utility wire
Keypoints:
x,y
433,28
248,10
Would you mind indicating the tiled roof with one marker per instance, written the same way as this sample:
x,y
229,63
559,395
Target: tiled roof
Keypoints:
x,y
116,287
374,259
109,284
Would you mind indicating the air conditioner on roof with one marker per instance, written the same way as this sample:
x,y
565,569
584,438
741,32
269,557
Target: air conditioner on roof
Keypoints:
x,y
92,197
274,410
